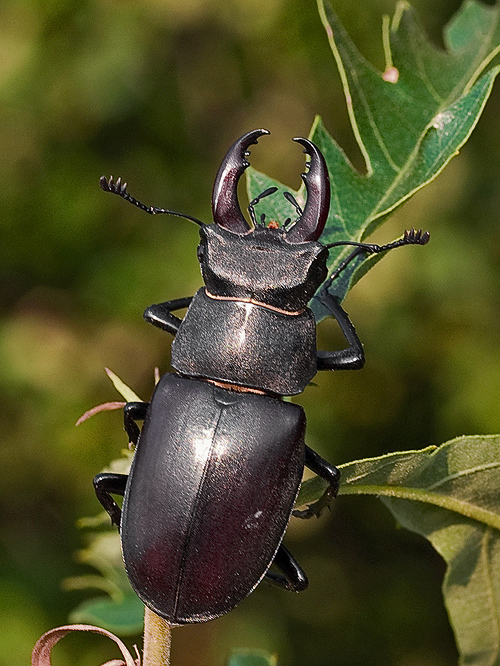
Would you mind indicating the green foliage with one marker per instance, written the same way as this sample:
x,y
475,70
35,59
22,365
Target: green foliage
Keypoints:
x,y
451,496
124,617
121,612
156,92
408,121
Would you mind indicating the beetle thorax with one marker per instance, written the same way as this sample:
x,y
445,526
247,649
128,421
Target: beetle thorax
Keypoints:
x,y
261,265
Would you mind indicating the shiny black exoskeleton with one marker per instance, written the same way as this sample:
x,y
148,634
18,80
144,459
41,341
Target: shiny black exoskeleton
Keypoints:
x,y
220,457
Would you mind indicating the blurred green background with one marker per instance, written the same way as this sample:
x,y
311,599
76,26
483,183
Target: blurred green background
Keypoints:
x,y
156,91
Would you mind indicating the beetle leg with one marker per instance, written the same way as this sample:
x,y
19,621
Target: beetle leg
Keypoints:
x,y
132,412
353,357
105,484
293,576
161,315
329,473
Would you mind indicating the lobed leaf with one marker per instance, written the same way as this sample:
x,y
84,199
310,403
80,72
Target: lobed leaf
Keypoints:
x,y
409,121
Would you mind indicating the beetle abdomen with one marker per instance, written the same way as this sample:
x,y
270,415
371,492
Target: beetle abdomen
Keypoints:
x,y
196,543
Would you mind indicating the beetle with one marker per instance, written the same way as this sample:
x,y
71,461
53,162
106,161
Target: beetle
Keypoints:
x,y
220,456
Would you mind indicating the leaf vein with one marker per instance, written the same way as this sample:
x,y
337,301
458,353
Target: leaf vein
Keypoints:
x,y
462,507
423,75
465,472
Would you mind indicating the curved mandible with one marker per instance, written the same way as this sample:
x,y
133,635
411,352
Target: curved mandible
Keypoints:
x,y
225,207
311,223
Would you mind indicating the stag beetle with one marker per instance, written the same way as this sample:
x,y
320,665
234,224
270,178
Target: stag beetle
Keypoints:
x,y
220,457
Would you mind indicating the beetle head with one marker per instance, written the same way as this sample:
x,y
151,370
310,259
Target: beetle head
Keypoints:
x,y
278,266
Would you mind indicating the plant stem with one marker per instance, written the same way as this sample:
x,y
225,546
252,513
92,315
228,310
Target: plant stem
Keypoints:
x,y
157,640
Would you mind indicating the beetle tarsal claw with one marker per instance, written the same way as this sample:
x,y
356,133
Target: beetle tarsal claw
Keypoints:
x,y
317,508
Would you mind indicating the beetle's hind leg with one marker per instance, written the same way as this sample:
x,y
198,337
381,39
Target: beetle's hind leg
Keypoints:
x,y
105,484
132,412
292,577
329,473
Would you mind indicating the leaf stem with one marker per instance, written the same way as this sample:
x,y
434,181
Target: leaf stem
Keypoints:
x,y
157,640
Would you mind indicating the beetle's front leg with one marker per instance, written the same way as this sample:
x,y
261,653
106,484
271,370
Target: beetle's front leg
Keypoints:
x,y
352,358
329,473
132,412
105,484
161,315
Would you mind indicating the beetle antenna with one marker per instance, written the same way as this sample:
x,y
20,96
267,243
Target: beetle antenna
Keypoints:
x,y
254,202
291,199
117,187
410,237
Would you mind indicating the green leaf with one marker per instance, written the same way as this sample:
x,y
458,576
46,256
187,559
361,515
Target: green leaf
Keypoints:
x,y
462,476
451,496
408,122
251,658
471,586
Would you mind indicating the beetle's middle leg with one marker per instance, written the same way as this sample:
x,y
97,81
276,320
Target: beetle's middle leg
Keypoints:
x,y
292,577
106,484
329,473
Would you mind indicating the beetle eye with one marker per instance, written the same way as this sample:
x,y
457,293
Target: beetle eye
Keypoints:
x,y
200,252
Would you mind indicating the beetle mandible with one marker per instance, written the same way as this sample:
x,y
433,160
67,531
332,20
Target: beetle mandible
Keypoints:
x,y
220,457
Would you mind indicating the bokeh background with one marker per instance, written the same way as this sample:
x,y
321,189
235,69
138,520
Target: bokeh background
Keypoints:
x,y
156,91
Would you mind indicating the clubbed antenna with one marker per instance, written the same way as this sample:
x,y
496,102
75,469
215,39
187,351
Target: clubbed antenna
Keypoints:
x,y
410,237
117,187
